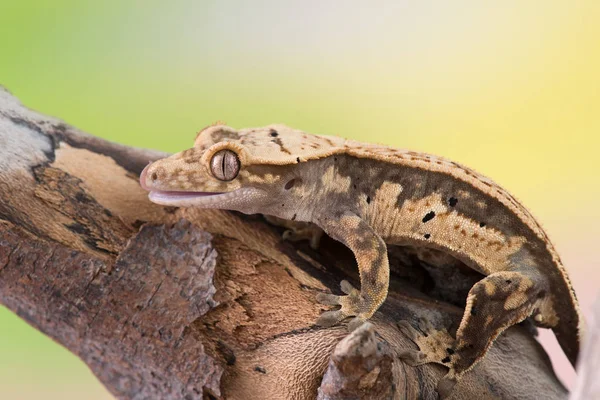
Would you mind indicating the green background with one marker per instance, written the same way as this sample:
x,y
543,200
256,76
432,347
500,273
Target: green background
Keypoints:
x,y
509,88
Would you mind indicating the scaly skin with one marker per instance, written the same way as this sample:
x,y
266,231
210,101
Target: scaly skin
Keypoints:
x,y
367,196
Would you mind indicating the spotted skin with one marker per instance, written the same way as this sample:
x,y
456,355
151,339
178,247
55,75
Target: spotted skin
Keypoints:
x,y
367,196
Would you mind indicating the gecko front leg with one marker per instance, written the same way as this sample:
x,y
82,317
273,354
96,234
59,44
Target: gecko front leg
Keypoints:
x,y
370,252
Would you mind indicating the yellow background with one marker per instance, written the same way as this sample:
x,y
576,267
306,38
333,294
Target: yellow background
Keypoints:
x,y
510,88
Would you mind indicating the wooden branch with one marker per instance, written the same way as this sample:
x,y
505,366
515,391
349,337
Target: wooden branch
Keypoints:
x,y
188,304
360,367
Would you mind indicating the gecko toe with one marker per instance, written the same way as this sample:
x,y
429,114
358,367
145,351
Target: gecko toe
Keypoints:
x,y
446,386
407,330
355,323
328,299
425,326
409,356
315,240
352,305
413,358
348,288
330,318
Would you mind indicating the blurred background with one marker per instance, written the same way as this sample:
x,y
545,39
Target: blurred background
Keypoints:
x,y
510,89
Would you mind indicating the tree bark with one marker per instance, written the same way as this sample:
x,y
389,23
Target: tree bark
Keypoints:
x,y
186,303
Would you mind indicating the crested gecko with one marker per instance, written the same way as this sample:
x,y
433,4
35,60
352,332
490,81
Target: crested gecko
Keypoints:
x,y
367,196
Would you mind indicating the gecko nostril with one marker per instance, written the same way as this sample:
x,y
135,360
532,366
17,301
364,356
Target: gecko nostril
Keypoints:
x,y
290,184
154,176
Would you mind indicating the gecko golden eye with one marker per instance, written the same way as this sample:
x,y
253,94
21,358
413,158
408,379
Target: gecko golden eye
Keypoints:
x,y
225,165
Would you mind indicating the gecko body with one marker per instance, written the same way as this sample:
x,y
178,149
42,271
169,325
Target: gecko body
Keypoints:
x,y
367,196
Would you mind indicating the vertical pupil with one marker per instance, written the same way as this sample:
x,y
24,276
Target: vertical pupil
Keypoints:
x,y
223,170
225,165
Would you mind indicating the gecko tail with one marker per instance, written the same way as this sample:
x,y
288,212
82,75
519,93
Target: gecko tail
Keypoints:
x,y
569,342
570,327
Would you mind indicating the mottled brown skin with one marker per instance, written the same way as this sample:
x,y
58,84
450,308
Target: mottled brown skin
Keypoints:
x,y
367,196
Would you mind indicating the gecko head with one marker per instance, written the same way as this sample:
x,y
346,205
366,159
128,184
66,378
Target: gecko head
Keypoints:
x,y
249,170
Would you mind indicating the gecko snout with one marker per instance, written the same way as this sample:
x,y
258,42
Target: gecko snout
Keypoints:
x,y
144,177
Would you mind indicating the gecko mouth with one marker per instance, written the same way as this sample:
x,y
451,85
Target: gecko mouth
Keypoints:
x,y
228,200
180,198
158,196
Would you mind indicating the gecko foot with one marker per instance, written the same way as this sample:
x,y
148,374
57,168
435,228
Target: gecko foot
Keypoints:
x,y
297,230
435,346
312,233
351,305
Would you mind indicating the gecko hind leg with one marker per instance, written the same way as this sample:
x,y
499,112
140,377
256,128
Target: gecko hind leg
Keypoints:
x,y
494,304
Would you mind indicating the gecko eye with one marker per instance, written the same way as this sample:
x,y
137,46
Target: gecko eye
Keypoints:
x,y
225,165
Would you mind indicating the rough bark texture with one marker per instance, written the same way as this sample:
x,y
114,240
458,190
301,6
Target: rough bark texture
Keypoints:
x,y
186,303
360,364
